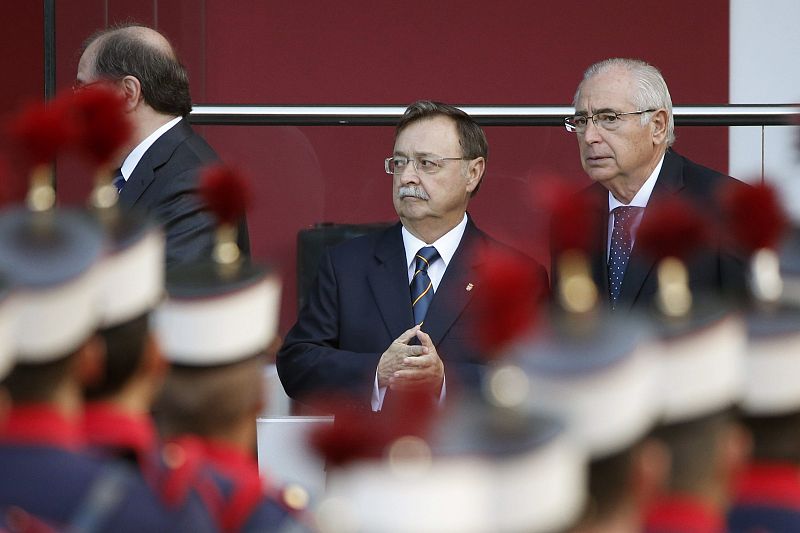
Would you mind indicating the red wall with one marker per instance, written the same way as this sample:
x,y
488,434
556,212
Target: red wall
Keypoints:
x,y
362,51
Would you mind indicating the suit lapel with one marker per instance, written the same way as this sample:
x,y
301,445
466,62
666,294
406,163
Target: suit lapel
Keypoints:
x,y
669,182
599,257
452,295
159,153
388,280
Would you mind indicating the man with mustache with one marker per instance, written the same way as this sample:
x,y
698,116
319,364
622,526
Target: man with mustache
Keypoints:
x,y
390,311
624,126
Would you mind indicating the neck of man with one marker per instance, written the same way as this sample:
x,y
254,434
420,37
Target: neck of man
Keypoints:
x,y
136,397
430,230
624,519
67,398
147,120
241,434
625,188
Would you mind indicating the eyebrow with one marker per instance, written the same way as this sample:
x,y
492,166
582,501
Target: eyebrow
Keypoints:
x,y
416,154
596,111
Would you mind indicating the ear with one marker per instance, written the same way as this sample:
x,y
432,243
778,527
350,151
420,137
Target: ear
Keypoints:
x,y
153,362
5,406
650,467
475,171
132,92
659,124
90,362
736,447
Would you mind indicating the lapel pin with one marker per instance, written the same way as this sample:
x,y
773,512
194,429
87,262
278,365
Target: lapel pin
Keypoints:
x,y
469,286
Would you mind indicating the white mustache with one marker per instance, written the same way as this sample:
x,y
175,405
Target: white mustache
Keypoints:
x,y
413,192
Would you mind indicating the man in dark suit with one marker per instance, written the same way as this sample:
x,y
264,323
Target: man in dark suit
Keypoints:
x,y
363,330
159,170
624,125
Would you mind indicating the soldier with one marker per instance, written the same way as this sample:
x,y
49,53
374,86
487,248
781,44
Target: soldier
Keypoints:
x,y
6,348
217,321
117,419
599,377
50,257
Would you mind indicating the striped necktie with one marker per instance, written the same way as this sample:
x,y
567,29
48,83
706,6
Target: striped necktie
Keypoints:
x,y
119,180
421,285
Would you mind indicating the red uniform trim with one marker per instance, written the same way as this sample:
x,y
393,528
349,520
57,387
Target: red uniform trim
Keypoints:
x,y
107,426
771,484
43,424
242,470
685,515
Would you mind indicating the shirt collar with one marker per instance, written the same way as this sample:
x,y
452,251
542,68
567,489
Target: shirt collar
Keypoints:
x,y
137,153
446,245
677,512
107,426
644,192
42,424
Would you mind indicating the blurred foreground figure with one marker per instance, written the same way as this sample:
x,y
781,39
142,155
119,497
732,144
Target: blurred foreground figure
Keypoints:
x,y
117,420
51,259
217,321
481,464
159,168
599,375
767,493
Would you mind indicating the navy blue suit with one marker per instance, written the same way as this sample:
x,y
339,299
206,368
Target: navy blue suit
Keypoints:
x,y
361,302
164,186
716,269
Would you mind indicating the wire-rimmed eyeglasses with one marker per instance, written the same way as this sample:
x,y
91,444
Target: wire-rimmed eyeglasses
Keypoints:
x,y
429,165
608,120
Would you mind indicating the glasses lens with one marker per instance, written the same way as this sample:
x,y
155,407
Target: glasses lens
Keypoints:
x,y
578,123
396,165
608,121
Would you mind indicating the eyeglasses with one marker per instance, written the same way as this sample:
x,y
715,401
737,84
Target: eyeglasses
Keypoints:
x,y
81,86
427,165
608,120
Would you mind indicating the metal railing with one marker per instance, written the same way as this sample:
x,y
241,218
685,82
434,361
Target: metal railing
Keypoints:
x,y
486,115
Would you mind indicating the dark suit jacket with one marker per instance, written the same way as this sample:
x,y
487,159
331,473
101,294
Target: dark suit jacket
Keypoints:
x,y
361,302
715,270
164,186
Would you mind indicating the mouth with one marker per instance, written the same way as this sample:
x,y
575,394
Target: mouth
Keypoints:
x,y
596,159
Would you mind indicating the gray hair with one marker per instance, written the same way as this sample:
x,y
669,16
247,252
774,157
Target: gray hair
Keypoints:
x,y
652,90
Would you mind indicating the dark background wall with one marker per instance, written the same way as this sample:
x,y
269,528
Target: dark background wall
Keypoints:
x,y
367,52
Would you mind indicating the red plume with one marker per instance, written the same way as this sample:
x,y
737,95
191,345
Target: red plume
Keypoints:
x,y
754,215
40,131
359,434
103,125
226,192
672,228
573,216
508,292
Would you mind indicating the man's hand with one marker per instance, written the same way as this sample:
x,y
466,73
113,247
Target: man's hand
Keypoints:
x,y
423,371
392,359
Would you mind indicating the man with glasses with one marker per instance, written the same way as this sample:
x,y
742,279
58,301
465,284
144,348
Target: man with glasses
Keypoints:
x,y
624,126
158,173
391,311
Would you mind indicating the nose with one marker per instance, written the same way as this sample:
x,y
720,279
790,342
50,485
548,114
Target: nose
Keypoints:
x,y
410,173
592,133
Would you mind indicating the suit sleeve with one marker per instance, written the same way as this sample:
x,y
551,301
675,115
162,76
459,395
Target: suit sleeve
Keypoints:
x,y
310,361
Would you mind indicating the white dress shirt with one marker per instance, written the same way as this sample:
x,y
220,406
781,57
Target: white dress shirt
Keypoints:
x,y
446,245
137,153
640,200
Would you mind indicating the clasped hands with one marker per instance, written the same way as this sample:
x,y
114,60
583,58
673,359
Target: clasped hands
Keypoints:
x,y
404,366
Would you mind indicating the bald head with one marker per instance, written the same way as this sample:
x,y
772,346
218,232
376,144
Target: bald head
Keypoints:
x,y
145,54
